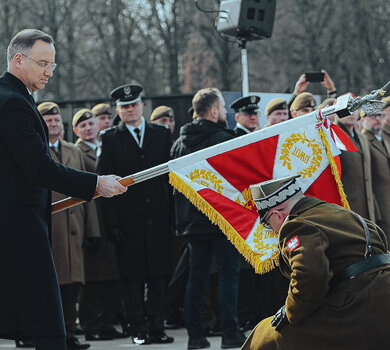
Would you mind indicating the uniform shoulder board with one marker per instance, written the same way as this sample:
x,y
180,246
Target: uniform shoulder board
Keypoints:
x,y
105,131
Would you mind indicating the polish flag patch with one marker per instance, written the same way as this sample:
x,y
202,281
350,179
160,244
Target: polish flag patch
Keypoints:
x,y
293,243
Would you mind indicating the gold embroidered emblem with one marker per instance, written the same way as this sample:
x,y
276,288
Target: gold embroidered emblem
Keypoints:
x,y
291,148
205,178
249,203
260,234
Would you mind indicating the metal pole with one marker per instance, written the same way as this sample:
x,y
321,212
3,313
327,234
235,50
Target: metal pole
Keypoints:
x,y
244,67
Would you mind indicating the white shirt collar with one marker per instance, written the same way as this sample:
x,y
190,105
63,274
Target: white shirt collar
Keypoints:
x,y
240,126
92,145
55,144
141,127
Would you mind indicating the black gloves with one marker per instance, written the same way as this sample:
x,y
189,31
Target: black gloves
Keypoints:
x,y
115,235
280,319
91,244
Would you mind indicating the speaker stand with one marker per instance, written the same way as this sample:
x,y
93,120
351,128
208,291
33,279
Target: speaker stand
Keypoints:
x,y
244,66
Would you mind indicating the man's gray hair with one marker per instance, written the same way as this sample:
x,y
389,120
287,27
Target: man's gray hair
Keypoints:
x,y
24,41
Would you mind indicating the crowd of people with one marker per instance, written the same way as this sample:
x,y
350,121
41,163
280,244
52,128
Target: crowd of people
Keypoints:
x,y
148,260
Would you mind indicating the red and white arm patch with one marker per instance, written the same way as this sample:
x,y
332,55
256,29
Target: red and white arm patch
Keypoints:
x,y
293,243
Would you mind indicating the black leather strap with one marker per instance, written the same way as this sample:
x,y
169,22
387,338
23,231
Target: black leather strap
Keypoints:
x,y
358,268
367,233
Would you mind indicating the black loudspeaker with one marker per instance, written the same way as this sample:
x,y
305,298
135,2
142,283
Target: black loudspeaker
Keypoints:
x,y
246,19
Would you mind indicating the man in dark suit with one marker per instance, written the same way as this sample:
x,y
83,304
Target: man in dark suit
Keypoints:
x,y
100,297
30,303
140,223
247,114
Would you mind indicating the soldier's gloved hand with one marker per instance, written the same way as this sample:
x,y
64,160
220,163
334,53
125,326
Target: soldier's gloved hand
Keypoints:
x,y
91,244
280,319
115,235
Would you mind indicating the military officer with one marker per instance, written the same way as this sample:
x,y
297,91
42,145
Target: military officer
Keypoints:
x,y
339,270
163,115
380,166
100,297
72,228
247,114
276,111
139,224
102,111
304,103
385,133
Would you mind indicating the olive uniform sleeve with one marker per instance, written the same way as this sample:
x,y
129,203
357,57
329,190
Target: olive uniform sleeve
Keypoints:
x,y
303,249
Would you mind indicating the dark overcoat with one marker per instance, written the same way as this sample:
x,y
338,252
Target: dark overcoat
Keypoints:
x,y
143,212
30,302
100,265
318,240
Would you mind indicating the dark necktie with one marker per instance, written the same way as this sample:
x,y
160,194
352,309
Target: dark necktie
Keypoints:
x,y
56,151
138,133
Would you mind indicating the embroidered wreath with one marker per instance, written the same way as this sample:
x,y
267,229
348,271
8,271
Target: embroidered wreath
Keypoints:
x,y
316,150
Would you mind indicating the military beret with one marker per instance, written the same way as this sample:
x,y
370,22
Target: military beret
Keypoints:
x,y
101,108
387,100
126,94
275,104
271,193
81,115
326,103
246,104
48,108
304,99
162,111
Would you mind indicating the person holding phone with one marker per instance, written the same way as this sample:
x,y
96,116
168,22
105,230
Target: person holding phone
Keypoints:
x,y
303,82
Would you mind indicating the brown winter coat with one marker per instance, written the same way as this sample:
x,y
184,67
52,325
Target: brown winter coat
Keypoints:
x,y
353,314
356,176
380,165
70,226
101,265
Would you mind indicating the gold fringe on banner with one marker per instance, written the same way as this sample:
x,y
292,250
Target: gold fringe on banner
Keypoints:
x,y
252,257
334,169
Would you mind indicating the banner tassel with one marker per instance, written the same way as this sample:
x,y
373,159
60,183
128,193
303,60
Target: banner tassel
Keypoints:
x,y
215,217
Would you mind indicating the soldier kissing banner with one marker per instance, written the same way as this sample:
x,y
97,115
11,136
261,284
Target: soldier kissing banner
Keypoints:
x,y
218,184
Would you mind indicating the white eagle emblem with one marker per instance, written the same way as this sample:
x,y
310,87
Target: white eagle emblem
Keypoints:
x,y
293,243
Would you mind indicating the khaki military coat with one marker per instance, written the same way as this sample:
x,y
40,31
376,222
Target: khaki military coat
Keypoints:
x,y
380,165
100,265
356,176
69,227
385,133
318,240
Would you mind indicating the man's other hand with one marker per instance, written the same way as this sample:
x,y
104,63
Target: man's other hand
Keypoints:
x,y
109,186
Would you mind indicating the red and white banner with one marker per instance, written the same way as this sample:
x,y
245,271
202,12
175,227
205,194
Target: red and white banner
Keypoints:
x,y
218,184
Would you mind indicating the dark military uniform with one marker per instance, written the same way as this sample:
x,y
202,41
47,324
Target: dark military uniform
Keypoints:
x,y
318,240
142,214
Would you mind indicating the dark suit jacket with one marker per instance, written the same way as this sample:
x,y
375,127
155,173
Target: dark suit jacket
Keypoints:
x,y
29,298
239,132
143,213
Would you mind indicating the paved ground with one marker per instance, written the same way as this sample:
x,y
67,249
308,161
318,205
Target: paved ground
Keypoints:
x,y
180,342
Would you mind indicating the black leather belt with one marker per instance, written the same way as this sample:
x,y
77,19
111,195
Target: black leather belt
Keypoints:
x,y
361,266
369,262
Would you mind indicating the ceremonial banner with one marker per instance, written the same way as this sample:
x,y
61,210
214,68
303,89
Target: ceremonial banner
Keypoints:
x,y
219,185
